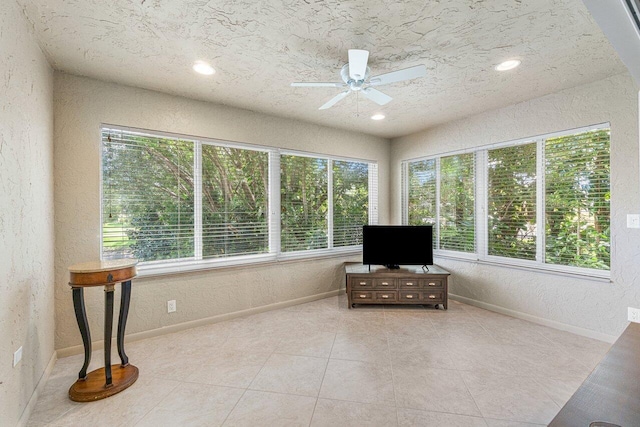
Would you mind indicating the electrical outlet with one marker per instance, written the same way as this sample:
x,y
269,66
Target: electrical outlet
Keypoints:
x,y
633,221
634,314
17,356
171,306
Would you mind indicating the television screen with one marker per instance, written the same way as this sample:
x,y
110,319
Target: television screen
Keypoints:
x,y
394,245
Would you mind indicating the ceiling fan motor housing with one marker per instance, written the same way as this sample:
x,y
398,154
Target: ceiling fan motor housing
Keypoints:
x,y
353,84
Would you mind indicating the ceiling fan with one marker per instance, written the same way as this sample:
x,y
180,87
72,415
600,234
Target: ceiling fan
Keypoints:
x,y
356,78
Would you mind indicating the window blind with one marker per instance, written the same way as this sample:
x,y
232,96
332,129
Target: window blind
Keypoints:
x,y
235,200
422,208
457,203
511,199
304,203
577,200
350,202
147,196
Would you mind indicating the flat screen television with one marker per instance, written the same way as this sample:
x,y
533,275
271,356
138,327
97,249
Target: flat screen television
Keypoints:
x,y
395,245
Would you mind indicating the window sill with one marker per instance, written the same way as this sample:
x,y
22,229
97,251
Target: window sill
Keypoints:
x,y
157,268
567,271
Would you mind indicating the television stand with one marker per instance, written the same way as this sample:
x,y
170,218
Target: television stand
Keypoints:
x,y
405,285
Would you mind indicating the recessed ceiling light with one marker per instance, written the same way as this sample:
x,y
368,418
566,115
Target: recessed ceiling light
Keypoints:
x,y
203,68
377,117
508,65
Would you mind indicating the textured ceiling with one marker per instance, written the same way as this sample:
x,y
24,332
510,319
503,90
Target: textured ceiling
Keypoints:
x,y
259,47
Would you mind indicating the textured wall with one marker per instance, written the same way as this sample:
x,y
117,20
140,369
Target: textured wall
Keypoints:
x,y
26,212
600,307
80,106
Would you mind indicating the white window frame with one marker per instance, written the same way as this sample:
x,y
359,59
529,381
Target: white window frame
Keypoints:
x,y
481,255
196,263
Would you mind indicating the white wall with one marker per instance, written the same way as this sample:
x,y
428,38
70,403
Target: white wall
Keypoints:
x,y
26,212
80,106
595,306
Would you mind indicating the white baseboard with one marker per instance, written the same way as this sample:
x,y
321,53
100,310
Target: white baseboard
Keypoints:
x,y
26,413
539,320
96,345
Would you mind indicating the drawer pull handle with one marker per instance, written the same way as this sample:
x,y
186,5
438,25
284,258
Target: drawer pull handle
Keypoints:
x,y
363,283
385,283
409,296
432,283
385,296
409,283
363,296
432,297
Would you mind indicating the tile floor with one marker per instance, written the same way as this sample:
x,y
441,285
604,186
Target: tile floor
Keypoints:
x,y
320,364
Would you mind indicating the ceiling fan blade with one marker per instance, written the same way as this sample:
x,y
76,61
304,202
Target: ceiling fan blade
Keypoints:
x,y
400,75
333,101
316,84
376,96
358,63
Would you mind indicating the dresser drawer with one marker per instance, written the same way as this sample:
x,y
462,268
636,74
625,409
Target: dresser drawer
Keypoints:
x,y
385,296
409,283
432,283
361,296
384,283
433,297
410,296
361,282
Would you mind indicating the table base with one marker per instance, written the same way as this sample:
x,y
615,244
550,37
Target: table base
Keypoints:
x,y
93,388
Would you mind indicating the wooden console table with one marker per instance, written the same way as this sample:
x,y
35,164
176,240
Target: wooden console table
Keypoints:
x,y
111,379
406,285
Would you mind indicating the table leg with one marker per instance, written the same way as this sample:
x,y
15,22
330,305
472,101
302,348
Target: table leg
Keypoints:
x,y
83,325
125,298
108,328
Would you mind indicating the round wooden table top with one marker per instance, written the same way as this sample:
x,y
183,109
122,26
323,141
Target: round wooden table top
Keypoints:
x,y
98,273
97,266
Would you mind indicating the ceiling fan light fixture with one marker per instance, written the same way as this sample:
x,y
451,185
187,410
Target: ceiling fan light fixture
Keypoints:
x,y
203,68
378,116
508,65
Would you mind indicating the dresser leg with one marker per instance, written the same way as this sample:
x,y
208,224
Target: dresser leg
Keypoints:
x,y
108,328
122,320
83,325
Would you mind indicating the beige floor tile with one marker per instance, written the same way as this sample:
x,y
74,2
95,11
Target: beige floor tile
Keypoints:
x,y
511,398
193,405
363,347
312,343
259,408
414,326
414,418
503,423
427,352
54,400
356,381
560,390
332,413
229,368
284,373
123,409
428,389
489,358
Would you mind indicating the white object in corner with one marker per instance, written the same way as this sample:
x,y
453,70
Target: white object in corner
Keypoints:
x,y
634,314
171,306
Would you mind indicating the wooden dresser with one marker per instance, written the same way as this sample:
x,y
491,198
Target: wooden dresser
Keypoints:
x,y
407,285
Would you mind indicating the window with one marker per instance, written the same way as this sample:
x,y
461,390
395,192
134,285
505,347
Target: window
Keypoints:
x,y
577,212
172,200
457,203
350,202
511,200
544,201
324,202
304,203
